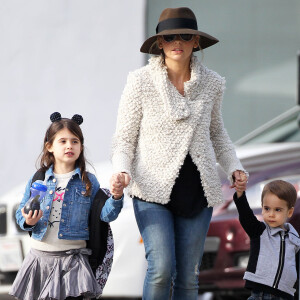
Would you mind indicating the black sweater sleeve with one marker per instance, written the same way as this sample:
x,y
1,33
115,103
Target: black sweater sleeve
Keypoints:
x,y
251,225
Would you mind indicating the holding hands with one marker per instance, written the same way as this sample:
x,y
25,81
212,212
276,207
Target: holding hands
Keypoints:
x,y
118,182
240,180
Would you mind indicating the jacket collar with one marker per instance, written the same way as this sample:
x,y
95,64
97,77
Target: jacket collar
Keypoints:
x,y
293,234
49,173
175,104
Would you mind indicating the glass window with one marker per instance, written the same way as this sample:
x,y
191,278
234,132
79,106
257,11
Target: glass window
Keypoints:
x,y
285,131
254,192
257,54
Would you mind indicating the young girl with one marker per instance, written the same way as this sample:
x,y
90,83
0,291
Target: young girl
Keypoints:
x,y
57,265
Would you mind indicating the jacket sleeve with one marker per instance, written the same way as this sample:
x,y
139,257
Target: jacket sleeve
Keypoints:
x,y
252,226
19,217
128,126
223,146
111,209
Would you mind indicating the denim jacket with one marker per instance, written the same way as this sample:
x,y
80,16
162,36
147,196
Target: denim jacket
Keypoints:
x,y
75,209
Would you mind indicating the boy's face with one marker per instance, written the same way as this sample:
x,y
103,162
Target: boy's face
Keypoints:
x,y
275,211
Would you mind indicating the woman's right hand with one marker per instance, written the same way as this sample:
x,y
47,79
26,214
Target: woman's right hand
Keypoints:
x,y
32,217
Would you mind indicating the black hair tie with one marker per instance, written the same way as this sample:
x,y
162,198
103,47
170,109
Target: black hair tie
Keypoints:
x,y
56,116
77,119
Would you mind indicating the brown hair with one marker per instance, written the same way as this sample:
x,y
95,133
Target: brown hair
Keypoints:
x,y
47,158
283,190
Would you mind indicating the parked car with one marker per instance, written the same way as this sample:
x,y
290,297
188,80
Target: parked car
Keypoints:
x,y
270,152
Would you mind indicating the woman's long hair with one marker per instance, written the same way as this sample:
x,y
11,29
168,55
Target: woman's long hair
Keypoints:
x,y
47,158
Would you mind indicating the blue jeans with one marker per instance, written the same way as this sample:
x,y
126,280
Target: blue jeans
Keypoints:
x,y
174,248
263,296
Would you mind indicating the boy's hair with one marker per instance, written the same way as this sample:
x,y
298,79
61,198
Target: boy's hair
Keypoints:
x,y
47,158
283,190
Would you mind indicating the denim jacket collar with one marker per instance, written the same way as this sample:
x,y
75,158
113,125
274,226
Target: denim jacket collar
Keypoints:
x,y
49,173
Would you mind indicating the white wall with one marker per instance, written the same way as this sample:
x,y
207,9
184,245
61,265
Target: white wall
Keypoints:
x,y
70,56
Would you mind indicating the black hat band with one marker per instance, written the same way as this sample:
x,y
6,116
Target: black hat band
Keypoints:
x,y
176,23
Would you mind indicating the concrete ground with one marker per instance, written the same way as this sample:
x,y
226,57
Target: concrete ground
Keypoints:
x,y
206,296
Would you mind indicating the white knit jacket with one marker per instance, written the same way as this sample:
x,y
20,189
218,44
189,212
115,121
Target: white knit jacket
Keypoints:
x,y
157,127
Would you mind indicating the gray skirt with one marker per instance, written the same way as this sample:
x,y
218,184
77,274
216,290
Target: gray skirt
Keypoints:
x,y
55,276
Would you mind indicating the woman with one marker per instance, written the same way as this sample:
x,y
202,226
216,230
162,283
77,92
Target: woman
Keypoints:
x,y
168,139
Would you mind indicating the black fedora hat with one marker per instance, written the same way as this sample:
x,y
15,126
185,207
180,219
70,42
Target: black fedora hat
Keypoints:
x,y
176,21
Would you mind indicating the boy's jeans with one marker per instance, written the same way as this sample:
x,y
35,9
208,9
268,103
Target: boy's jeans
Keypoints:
x,y
174,248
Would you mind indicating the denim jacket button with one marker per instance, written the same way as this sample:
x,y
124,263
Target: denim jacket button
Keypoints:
x,y
54,180
65,204
62,220
51,192
48,207
60,234
82,192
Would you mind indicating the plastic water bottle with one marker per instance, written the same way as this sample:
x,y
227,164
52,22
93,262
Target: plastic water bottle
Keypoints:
x,y
38,191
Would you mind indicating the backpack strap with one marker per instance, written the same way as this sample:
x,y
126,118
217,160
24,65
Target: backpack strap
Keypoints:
x,y
39,175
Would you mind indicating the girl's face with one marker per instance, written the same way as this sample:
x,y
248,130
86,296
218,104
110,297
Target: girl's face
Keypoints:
x,y
178,49
275,211
65,148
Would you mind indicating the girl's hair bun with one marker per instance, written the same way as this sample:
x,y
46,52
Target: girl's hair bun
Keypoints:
x,y
56,116
77,119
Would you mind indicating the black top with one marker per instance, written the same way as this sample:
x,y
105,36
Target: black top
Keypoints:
x,y
187,197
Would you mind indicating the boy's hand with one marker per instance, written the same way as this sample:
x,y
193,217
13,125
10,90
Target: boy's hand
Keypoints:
x,y
117,185
32,217
240,182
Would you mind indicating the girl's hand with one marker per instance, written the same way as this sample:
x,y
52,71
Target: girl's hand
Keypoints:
x,y
32,217
240,182
117,185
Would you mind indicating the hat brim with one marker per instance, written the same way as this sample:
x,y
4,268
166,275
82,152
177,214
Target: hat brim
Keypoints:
x,y
206,40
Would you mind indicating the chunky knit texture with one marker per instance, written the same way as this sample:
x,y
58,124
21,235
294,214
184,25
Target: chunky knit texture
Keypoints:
x,y
157,127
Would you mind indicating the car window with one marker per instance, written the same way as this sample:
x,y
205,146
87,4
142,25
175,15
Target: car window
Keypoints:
x,y
253,196
286,130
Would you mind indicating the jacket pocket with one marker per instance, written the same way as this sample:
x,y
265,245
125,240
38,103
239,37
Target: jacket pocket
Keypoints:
x,y
83,206
289,274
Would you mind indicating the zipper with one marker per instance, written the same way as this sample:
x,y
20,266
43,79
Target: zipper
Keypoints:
x,y
281,260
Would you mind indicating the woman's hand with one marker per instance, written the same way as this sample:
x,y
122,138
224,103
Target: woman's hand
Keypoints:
x,y
32,217
240,180
125,179
116,186
118,182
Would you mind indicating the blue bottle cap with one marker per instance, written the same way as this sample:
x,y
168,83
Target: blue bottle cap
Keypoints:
x,y
39,186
